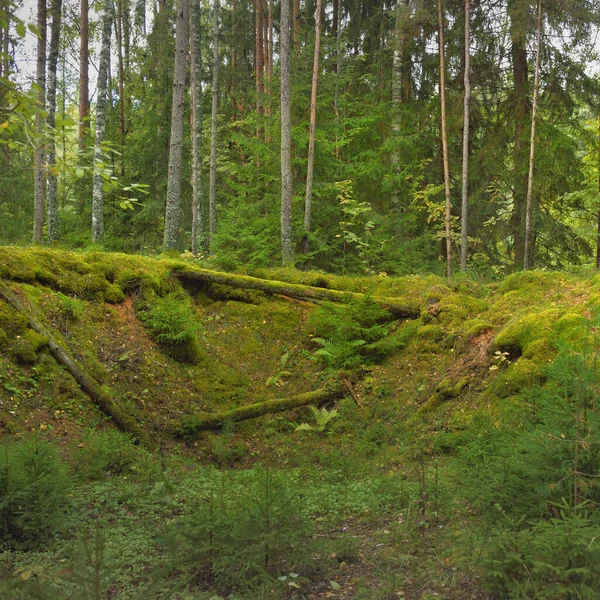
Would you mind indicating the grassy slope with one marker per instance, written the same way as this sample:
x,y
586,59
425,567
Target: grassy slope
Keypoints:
x,y
474,350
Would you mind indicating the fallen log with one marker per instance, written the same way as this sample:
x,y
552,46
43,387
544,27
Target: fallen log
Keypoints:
x,y
191,275
99,394
191,426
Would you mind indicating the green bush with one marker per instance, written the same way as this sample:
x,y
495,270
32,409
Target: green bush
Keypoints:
x,y
245,541
171,322
33,491
105,453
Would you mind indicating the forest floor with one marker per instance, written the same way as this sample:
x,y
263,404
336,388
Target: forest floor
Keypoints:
x,y
374,497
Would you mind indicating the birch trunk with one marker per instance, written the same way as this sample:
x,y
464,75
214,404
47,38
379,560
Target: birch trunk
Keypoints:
x,y
465,148
176,138
84,59
212,201
528,254
52,199
196,101
287,253
445,138
101,105
312,128
39,153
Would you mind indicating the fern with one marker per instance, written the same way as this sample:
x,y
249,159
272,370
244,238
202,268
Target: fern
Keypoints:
x,y
323,419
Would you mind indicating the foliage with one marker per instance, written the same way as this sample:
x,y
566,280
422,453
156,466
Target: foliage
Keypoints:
x,y
33,491
323,420
105,453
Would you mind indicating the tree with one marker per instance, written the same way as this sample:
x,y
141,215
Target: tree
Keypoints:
x,y
465,148
52,199
84,59
445,140
287,253
101,105
528,258
212,206
196,104
312,127
176,140
39,154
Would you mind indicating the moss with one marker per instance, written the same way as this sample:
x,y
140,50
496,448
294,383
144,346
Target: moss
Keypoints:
x,y
531,282
523,374
446,390
3,339
571,328
113,294
138,282
11,321
25,348
519,333
541,351
188,352
431,332
475,327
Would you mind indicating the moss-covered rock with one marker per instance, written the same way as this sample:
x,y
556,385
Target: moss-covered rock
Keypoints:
x,y
474,327
431,332
521,375
447,389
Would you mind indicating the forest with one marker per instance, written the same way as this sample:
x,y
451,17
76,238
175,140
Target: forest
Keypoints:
x,y
299,300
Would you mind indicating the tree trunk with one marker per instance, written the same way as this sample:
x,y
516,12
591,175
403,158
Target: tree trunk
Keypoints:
x,y
296,25
528,253
140,16
445,139
521,113
598,215
196,102
465,148
287,252
89,385
193,425
312,128
199,277
101,105
260,57
212,208
52,200
234,58
121,78
39,153
176,139
84,59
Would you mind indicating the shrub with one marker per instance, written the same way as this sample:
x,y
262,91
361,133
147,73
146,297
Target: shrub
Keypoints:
x,y
171,322
33,490
105,453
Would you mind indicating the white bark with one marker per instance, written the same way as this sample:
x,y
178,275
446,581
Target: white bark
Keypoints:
x,y
527,259
176,139
39,152
101,104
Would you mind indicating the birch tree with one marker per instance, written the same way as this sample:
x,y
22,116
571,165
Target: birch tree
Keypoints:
x,y
287,253
312,128
39,153
101,104
212,200
527,258
465,148
196,102
176,139
52,191
445,139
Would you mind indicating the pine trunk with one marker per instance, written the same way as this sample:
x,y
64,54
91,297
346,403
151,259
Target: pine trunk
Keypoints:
x,y
445,139
296,24
287,253
84,59
521,114
101,106
52,199
465,148
234,57
528,253
39,153
260,57
312,129
212,208
176,138
121,78
196,101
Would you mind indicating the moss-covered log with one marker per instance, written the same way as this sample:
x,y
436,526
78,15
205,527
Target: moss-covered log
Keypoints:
x,y
197,276
191,426
101,397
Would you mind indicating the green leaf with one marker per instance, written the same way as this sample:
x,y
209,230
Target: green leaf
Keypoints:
x,y
79,172
21,29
